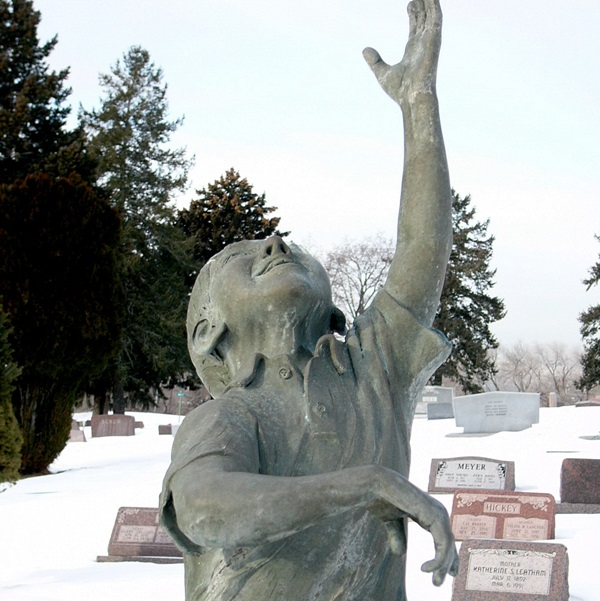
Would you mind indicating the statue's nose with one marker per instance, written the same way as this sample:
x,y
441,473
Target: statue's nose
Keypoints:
x,y
274,246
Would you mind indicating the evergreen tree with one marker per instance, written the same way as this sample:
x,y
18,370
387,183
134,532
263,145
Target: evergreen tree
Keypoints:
x,y
129,136
590,333
33,113
226,211
11,439
466,307
59,287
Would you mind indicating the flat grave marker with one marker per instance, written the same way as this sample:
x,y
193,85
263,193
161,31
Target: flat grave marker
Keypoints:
x,y
113,425
587,404
138,536
497,411
579,486
502,515
457,473
493,570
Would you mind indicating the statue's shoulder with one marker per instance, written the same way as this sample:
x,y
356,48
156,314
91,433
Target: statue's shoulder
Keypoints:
x,y
229,407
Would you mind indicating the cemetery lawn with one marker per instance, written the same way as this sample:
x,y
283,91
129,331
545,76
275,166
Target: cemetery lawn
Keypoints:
x,y
53,527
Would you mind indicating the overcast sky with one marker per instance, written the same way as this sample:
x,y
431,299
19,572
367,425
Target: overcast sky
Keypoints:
x,y
278,89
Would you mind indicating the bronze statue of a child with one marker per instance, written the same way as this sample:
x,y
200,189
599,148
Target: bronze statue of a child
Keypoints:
x,y
292,484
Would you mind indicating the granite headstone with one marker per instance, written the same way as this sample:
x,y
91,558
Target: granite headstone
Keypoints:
x,y
440,411
502,514
494,570
113,425
434,394
137,536
456,473
497,411
76,434
579,486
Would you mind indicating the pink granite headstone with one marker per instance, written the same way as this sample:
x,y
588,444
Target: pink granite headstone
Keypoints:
x,y
502,514
137,533
579,486
494,570
113,425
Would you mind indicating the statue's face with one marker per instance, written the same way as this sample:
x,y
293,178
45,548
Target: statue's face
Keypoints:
x,y
268,282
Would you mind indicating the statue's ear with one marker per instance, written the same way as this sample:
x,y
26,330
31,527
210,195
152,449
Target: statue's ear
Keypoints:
x,y
337,323
206,336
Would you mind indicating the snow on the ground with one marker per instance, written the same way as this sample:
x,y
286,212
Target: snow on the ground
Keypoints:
x,y
53,527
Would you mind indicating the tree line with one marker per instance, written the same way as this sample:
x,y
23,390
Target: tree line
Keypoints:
x,y
95,259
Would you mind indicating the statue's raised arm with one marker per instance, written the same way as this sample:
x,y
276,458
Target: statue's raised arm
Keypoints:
x,y
424,240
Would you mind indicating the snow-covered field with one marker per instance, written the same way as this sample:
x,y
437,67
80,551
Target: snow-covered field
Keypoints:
x,y
53,527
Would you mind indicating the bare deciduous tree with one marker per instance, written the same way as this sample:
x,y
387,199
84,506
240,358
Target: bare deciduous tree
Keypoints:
x,y
358,269
542,368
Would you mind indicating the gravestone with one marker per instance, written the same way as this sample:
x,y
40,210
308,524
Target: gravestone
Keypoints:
x,y
552,400
493,570
502,514
579,486
440,411
139,425
434,394
497,411
456,473
137,536
76,434
587,404
113,425
164,429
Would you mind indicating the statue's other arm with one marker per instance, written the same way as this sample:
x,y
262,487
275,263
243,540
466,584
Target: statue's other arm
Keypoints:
x,y
424,239
217,506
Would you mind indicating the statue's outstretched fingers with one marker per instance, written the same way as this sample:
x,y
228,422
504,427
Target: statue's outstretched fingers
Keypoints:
x,y
412,18
418,13
433,13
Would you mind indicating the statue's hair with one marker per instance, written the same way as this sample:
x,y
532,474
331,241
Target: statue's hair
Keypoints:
x,y
206,327
204,321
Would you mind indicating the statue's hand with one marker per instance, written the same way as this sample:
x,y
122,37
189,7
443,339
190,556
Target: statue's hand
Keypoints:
x,y
397,498
437,522
416,72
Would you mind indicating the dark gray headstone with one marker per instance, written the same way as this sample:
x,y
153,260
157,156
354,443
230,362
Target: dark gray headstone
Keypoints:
x,y
500,570
497,411
440,411
503,514
434,394
458,473
164,429
113,425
